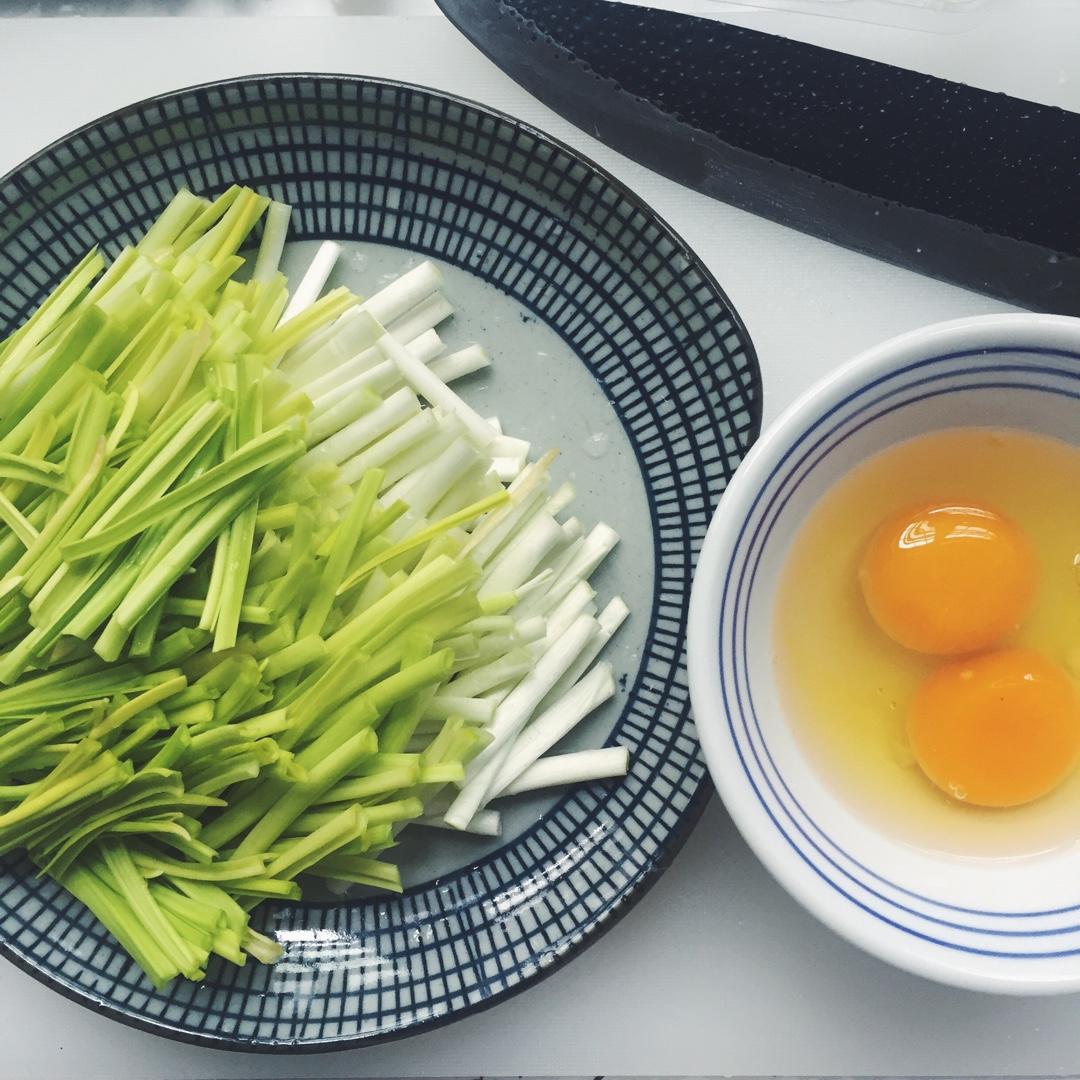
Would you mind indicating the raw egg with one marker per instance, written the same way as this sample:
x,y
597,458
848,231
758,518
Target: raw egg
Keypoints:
x,y
999,729
949,578
916,599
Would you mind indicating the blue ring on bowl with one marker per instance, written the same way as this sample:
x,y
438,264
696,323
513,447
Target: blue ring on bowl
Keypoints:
x,y
849,431
755,547
760,526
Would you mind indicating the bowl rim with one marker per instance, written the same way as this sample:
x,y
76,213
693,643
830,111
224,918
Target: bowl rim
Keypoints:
x,y
751,819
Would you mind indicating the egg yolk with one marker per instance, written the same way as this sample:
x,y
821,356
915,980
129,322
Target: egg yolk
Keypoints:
x,y
948,579
997,730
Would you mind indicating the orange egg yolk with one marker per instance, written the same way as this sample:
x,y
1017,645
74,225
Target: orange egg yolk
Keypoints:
x,y
996,730
948,579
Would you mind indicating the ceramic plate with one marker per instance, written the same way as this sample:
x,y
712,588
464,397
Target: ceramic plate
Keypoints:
x,y
611,342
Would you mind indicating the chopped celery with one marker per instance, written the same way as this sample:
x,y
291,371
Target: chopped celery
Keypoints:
x,y
377,617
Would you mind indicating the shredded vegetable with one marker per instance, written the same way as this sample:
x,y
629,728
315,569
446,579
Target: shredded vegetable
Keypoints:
x,y
271,591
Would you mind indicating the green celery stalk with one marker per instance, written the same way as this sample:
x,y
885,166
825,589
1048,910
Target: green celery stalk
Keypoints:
x,y
53,529
10,516
291,585
276,448
145,454
119,919
252,614
276,517
122,569
212,601
298,797
225,870
145,347
38,446
234,227
399,726
422,537
241,536
54,402
147,794
213,897
266,313
80,343
233,770
360,870
91,423
340,828
178,647
294,657
275,228
130,884
376,838
269,724
48,316
388,813
172,751
243,811
170,223
430,671
165,383
27,470
227,945
333,728
211,213
422,591
207,278
277,639
192,717
380,783
109,500
103,776
266,888
148,698
142,639
325,310
200,940
129,402
52,622
242,693
270,560
79,681
37,512
28,736
119,271
206,521
345,540
154,477
215,739
382,518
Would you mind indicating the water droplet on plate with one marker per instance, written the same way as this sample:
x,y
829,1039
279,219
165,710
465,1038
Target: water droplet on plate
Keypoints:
x,y
596,445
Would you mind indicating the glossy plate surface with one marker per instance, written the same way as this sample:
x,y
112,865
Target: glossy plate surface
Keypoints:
x,y
610,341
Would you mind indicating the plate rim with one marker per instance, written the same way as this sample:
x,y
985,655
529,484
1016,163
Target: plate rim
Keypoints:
x,y
705,790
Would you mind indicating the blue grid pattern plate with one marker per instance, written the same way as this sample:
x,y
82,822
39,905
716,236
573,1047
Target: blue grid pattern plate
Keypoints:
x,y
612,342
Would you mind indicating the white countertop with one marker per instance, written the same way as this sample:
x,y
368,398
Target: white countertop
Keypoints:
x,y
717,971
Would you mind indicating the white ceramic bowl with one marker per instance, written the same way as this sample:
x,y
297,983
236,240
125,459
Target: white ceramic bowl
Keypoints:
x,y
1011,926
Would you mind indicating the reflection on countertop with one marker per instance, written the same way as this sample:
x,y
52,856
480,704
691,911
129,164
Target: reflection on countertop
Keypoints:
x,y
212,8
